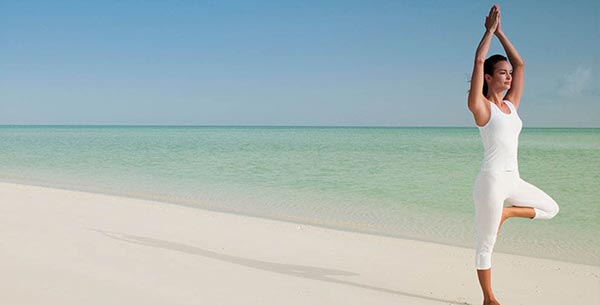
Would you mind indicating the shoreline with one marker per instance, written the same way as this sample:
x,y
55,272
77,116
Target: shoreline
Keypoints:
x,y
73,246
283,218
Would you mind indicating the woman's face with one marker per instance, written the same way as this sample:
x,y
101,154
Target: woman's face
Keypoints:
x,y
502,77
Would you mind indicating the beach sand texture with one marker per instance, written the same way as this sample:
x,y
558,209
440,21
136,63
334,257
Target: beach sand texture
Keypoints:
x,y
68,247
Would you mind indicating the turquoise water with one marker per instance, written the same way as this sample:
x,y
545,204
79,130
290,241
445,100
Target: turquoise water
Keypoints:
x,y
403,182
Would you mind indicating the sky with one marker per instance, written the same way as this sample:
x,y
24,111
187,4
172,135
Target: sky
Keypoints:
x,y
292,63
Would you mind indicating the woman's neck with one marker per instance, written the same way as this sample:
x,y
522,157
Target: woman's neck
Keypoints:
x,y
496,97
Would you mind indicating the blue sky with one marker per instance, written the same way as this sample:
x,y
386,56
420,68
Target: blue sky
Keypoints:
x,y
375,63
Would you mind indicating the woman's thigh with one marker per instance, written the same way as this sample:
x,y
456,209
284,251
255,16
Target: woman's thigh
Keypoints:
x,y
525,194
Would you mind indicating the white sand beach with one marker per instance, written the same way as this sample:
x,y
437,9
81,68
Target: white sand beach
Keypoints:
x,y
68,247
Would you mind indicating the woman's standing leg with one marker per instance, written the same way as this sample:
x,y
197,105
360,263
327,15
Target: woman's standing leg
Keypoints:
x,y
488,194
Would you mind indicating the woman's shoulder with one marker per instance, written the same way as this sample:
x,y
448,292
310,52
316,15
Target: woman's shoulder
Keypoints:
x,y
510,104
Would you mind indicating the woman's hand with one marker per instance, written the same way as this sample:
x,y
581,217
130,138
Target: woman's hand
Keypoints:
x,y
498,29
492,20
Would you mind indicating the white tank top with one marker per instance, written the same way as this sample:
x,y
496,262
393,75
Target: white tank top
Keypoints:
x,y
501,139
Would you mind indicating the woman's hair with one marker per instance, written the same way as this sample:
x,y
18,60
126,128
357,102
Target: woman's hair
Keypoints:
x,y
488,68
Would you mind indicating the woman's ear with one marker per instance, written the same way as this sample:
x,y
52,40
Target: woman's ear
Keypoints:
x,y
487,77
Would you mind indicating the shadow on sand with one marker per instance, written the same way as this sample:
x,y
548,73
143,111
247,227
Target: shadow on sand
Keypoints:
x,y
308,272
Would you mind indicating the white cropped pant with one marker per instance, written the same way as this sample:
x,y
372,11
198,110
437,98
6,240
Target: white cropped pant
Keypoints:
x,y
491,190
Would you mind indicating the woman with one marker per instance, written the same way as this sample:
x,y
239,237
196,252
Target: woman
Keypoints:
x,y
499,125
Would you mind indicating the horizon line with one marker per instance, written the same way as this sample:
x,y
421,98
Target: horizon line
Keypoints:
x,y
260,125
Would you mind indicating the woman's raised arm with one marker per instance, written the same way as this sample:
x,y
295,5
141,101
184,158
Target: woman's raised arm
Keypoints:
x,y
476,100
518,65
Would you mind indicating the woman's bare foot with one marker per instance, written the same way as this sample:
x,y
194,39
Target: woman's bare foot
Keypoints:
x,y
505,215
491,302
515,211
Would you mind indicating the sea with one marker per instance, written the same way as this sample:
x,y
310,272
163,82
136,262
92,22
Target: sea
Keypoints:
x,y
401,182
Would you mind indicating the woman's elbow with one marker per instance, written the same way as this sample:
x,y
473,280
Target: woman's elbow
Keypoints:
x,y
471,103
518,63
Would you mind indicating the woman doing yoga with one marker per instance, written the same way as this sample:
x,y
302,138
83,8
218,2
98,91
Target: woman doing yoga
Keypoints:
x,y
499,125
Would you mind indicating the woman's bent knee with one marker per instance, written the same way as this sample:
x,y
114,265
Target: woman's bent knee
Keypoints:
x,y
555,210
547,213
